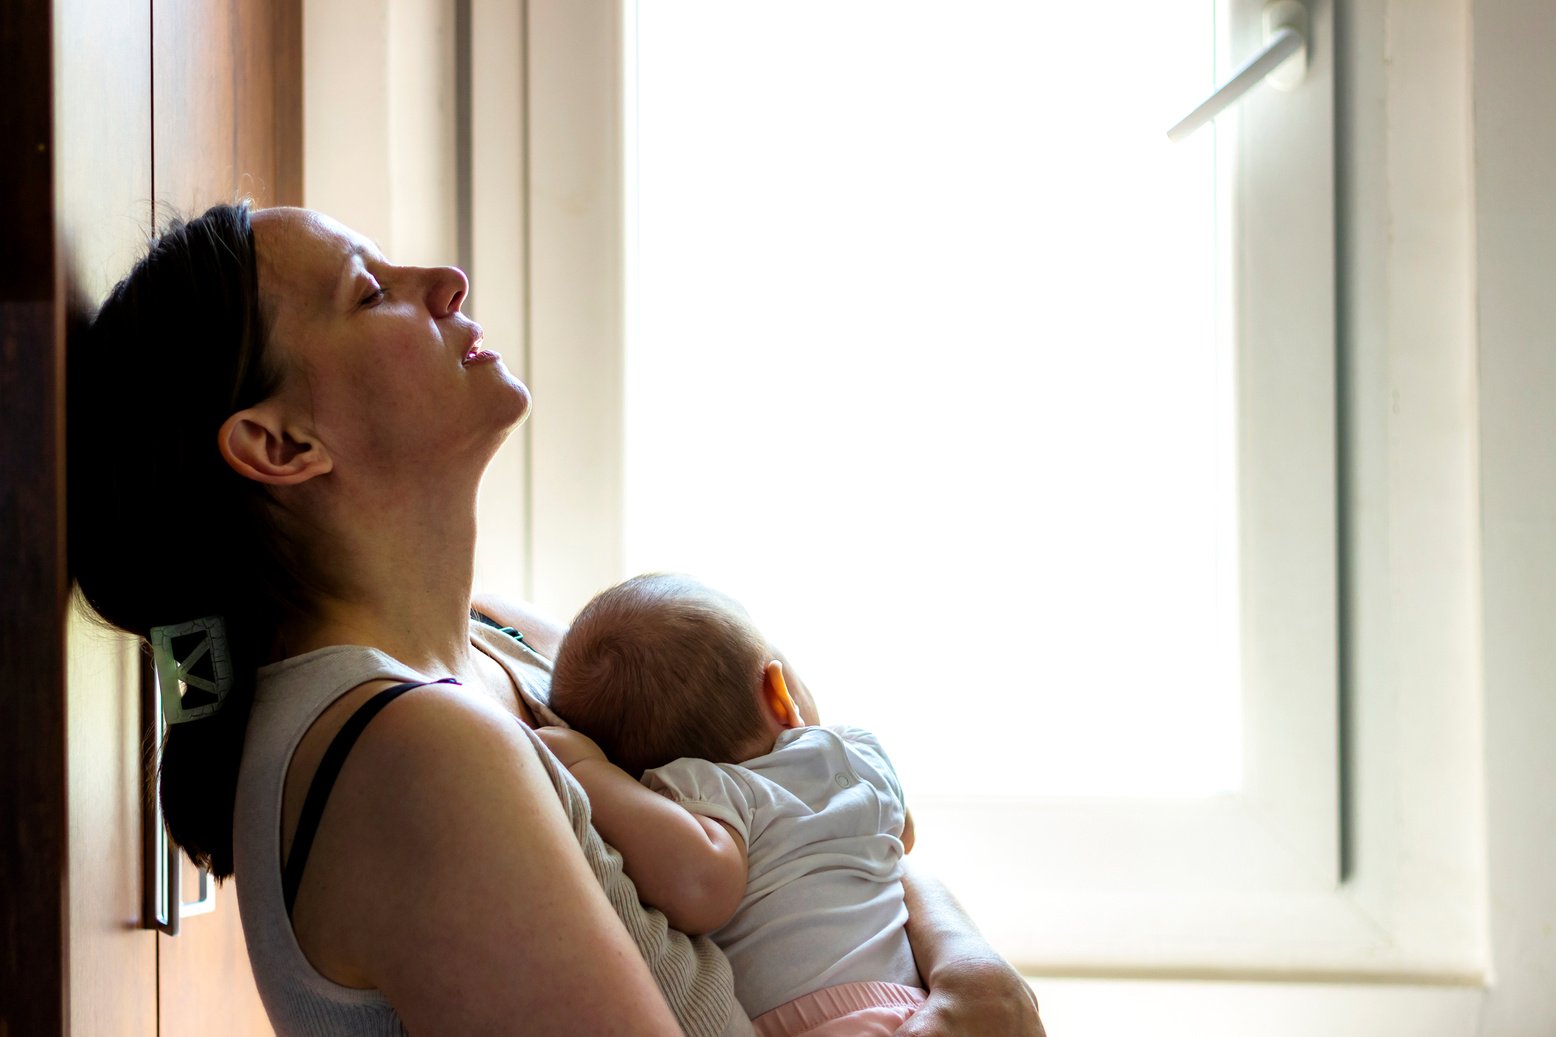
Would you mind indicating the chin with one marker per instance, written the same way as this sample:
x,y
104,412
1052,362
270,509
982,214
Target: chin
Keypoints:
x,y
517,402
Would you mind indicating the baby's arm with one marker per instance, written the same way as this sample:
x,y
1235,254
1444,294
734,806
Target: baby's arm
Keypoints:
x,y
692,868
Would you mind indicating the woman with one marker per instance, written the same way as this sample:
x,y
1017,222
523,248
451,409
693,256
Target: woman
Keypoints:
x,y
272,424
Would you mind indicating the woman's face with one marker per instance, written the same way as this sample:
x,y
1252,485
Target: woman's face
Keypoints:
x,y
376,358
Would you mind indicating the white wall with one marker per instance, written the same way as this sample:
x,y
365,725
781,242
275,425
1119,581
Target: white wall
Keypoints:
x,y
380,138
499,291
378,122
1515,210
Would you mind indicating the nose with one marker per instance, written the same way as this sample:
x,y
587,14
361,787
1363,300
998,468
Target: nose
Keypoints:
x,y
446,290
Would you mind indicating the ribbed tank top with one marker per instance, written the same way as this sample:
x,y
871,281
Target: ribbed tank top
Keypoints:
x,y
290,696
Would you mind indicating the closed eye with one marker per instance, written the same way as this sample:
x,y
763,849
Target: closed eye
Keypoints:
x,y
375,295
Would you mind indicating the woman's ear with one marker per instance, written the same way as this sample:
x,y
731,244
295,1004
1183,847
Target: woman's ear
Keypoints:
x,y
258,445
776,697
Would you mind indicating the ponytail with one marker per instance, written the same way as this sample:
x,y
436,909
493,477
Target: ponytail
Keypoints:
x,y
161,530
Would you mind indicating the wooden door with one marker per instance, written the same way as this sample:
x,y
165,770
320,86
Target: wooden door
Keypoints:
x,y
226,99
119,114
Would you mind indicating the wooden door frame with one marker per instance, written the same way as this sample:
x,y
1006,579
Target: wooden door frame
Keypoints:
x,y
34,575
34,589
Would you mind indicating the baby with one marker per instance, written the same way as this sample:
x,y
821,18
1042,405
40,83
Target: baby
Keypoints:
x,y
787,843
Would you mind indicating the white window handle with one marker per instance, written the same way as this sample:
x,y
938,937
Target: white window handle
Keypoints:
x,y
1283,61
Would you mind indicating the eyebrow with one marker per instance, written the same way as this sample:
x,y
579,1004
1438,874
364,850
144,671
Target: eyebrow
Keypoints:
x,y
370,251
355,252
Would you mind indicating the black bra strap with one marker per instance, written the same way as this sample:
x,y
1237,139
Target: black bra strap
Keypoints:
x,y
324,783
483,618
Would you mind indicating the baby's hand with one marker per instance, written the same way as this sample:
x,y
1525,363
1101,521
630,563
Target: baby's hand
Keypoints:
x,y
569,746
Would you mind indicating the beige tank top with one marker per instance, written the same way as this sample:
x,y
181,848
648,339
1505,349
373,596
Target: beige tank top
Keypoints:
x,y
692,973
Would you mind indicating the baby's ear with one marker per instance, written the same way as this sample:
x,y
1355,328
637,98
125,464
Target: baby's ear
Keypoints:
x,y
775,696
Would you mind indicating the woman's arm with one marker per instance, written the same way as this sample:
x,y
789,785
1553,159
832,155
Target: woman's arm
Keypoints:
x,y
972,990
445,875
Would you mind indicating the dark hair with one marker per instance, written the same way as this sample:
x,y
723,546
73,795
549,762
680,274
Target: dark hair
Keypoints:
x,y
161,529
661,667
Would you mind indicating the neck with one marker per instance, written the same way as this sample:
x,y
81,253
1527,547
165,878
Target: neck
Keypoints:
x,y
761,744
396,578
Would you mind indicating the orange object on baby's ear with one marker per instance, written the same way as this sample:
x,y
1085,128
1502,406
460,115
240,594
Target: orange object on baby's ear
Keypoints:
x,y
776,697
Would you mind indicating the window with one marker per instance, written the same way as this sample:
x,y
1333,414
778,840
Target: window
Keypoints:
x,y
1233,864
900,353
938,375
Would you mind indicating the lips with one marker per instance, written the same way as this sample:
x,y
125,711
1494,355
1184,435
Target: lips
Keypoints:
x,y
476,353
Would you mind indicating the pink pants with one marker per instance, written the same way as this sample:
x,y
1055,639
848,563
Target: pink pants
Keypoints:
x,y
846,1010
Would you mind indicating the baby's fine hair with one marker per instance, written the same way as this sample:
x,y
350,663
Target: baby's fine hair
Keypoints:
x,y
662,667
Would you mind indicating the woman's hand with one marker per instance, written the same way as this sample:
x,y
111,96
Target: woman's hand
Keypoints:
x,y
978,999
973,992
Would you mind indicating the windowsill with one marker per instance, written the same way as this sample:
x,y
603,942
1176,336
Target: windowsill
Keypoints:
x,y
1234,1006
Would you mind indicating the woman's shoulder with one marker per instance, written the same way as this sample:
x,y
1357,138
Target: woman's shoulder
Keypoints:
x,y
444,790
412,780
305,685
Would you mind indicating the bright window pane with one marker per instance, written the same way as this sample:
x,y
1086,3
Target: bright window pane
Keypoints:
x,y
925,366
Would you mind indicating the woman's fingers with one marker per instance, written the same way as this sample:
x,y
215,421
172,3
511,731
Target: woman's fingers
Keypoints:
x,y
1007,1008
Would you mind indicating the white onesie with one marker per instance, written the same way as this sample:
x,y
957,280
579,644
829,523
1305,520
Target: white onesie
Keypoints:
x,y
822,817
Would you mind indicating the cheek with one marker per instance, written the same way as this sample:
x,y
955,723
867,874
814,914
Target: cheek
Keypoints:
x,y
388,409
345,399
387,370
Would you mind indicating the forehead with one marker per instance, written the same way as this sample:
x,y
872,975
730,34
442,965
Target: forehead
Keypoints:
x,y
303,254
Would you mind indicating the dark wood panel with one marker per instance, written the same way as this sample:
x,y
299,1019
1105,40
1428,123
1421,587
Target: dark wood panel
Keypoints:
x,y
194,104
267,44
33,907
254,98
227,102
26,160
207,986
289,101
102,176
32,674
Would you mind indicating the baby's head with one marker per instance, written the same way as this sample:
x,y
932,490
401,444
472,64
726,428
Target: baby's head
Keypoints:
x,y
662,667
